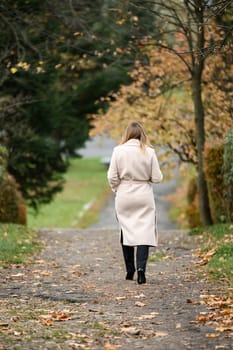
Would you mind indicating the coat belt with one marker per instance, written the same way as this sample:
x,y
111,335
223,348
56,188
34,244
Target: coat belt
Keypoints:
x,y
135,181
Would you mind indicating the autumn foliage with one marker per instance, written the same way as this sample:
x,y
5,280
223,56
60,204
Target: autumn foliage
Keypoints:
x,y
160,97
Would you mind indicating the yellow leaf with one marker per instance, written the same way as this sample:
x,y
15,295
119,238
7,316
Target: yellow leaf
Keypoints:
x,y
13,70
212,335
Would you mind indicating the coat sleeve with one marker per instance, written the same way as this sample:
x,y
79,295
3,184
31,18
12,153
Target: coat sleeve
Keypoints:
x,y
156,174
113,175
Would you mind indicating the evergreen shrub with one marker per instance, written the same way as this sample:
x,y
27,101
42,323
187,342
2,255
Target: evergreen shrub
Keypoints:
x,y
12,208
10,200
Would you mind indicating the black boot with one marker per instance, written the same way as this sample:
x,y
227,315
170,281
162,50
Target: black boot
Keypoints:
x,y
141,277
129,275
142,256
128,253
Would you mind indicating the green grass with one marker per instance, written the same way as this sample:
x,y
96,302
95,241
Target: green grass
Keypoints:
x,y
221,265
17,243
219,237
156,257
80,201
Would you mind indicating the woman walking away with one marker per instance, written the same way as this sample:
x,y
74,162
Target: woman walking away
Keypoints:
x,y
133,169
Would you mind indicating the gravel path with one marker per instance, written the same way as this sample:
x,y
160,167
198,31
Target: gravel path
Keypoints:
x,y
74,296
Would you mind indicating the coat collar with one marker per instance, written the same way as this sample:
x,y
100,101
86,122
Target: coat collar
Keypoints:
x,y
133,142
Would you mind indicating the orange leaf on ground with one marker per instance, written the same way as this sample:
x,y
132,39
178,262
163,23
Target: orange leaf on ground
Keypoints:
x,y
47,322
212,335
108,346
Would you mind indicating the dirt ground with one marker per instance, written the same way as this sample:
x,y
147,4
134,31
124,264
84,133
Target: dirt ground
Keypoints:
x,y
74,296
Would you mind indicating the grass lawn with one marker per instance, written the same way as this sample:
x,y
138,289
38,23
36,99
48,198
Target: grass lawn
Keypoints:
x,y
79,203
17,243
216,251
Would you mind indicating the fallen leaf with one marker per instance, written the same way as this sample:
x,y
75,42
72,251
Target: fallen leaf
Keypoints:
x,y
139,296
61,317
139,304
48,322
17,333
206,257
54,265
161,334
49,319
18,275
40,262
120,298
189,301
108,346
46,273
202,319
224,328
212,335
130,330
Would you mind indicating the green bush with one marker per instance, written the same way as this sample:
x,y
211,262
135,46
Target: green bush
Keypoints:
x,y
228,175
10,200
213,162
12,208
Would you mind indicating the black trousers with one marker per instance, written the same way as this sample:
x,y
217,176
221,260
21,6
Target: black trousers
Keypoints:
x,y
142,252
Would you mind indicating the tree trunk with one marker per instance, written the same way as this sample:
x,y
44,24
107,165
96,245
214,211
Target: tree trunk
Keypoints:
x,y
200,140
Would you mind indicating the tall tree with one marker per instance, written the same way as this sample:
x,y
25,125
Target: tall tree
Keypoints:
x,y
196,21
194,24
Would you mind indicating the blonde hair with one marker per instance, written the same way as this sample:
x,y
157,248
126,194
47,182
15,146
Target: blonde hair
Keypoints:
x,y
135,131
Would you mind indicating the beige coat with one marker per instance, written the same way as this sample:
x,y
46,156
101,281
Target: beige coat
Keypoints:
x,y
130,175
